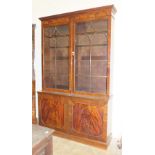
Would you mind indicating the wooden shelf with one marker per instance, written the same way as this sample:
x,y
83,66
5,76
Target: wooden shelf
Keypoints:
x,y
91,45
62,58
91,32
93,76
102,58
65,35
59,47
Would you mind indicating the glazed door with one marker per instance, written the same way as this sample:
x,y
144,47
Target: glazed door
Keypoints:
x,y
91,56
56,60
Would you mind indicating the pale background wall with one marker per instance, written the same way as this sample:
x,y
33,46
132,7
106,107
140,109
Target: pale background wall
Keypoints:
x,y
45,8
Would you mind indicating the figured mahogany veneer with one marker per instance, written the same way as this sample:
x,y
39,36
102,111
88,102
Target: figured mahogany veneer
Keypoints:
x,y
75,99
87,119
51,111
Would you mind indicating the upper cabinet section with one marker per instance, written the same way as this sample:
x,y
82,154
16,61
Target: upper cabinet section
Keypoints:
x,y
76,50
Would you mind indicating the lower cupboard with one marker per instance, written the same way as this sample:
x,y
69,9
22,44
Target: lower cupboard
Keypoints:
x,y
83,119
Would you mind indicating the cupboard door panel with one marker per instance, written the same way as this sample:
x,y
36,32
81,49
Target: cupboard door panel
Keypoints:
x,y
51,111
87,120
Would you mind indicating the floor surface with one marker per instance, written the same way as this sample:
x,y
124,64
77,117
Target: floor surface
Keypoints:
x,y
63,146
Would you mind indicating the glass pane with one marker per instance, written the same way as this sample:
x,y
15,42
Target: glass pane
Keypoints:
x,y
62,53
99,53
98,84
49,81
91,44
62,63
56,62
49,57
59,41
62,81
98,68
82,83
92,26
98,39
82,63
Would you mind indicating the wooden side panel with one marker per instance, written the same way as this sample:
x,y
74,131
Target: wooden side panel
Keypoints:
x,y
34,119
51,111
